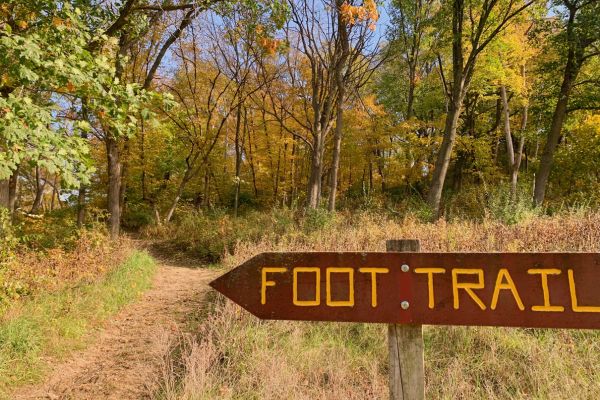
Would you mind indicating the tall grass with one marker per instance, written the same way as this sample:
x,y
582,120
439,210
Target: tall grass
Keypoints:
x,y
235,356
55,323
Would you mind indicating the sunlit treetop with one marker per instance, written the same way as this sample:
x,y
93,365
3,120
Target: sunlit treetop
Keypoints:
x,y
367,13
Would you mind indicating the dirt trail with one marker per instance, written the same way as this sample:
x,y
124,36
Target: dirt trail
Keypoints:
x,y
124,360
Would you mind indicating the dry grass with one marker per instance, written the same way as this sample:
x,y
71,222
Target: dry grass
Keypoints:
x,y
28,273
236,356
49,326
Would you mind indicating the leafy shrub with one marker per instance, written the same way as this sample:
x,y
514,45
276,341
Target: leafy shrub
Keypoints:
x,y
31,271
7,237
500,206
317,219
209,235
492,203
137,217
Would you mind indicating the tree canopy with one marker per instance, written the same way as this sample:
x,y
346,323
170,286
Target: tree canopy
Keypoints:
x,y
144,107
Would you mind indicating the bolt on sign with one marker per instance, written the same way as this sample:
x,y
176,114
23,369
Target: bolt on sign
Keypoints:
x,y
551,290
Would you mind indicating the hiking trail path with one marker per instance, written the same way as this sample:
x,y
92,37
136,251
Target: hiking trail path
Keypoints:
x,y
124,357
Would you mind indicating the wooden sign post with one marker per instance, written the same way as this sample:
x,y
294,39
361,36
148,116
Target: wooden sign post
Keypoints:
x,y
407,289
405,342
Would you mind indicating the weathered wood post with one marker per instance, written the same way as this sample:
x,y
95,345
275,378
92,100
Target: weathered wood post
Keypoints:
x,y
405,343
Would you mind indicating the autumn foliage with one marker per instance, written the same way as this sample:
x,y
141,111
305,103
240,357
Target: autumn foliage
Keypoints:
x,y
366,13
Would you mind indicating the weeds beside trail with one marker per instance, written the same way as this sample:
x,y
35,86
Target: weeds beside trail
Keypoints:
x,y
236,356
54,324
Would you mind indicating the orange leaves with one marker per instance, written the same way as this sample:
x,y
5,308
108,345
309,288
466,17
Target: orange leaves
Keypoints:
x,y
353,15
269,45
265,41
22,24
60,22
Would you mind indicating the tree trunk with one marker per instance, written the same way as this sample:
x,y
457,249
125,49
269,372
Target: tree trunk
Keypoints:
x,y
320,180
443,159
189,173
54,192
510,150
293,167
519,155
4,193
238,160
316,167
572,67
514,160
143,158
341,94
174,204
81,202
459,88
124,171
114,186
249,153
278,178
39,191
206,200
12,191
335,166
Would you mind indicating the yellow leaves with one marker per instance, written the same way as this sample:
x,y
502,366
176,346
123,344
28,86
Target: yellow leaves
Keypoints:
x,y
4,10
353,15
589,125
370,102
260,30
22,24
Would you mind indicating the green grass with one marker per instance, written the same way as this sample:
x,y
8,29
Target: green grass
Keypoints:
x,y
53,324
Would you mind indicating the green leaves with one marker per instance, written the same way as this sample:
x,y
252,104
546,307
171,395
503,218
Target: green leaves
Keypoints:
x,y
28,135
48,75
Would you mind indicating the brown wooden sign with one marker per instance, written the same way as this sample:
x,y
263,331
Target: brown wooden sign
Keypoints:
x,y
554,290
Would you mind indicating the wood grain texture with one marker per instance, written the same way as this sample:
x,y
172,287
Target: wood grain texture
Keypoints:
x,y
405,343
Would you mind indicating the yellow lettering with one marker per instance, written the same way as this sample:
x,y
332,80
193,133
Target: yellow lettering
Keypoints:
x,y
467,286
543,273
505,282
577,308
430,272
340,303
265,282
374,272
306,303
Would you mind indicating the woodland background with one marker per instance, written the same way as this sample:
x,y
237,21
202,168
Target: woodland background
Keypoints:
x,y
132,111
218,128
